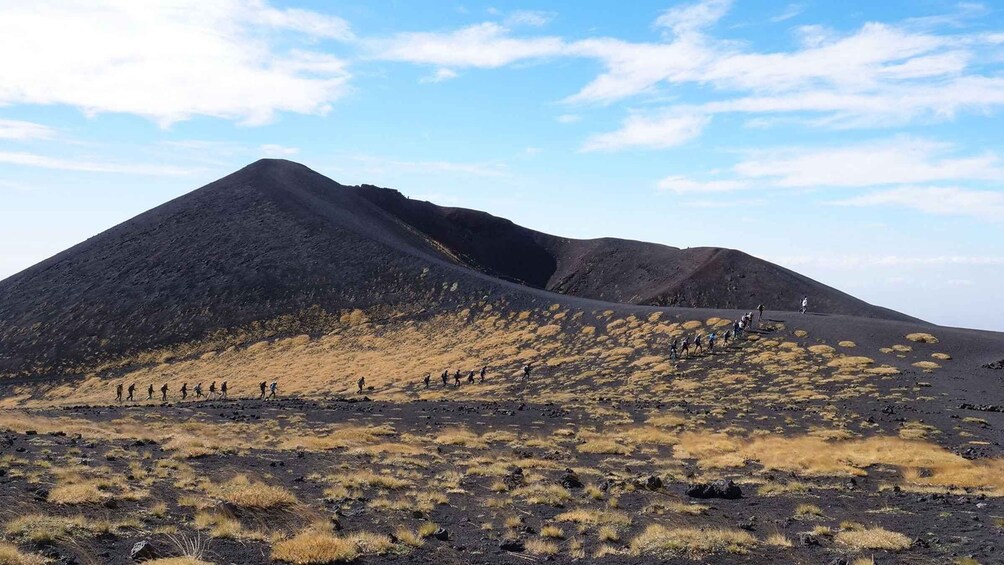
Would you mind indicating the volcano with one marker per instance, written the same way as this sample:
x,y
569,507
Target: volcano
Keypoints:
x,y
277,242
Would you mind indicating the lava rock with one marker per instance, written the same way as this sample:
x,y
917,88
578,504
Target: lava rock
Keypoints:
x,y
653,483
570,480
718,489
143,550
513,545
442,534
807,539
514,478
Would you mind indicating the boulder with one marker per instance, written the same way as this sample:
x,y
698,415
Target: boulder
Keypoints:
x,y
570,480
717,489
143,550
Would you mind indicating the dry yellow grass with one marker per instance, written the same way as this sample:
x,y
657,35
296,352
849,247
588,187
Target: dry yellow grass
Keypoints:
x,y
778,540
175,561
552,532
77,493
942,356
657,540
541,547
927,365
11,555
920,337
847,343
873,538
242,491
604,446
591,517
317,545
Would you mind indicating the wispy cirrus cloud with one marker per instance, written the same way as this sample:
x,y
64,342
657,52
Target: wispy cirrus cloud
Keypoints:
x,y
643,132
937,200
89,165
21,130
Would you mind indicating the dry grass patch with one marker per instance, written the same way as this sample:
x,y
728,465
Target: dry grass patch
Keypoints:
x,y
608,446
920,337
942,356
552,495
873,538
927,365
659,540
541,547
589,517
847,343
552,532
778,540
318,545
11,555
461,437
245,493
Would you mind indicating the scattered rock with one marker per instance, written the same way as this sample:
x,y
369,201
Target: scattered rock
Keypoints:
x,y
442,534
513,545
653,483
807,539
748,524
514,478
996,365
718,489
570,480
143,550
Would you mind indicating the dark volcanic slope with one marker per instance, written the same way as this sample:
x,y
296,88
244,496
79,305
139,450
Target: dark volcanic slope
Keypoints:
x,y
617,270
277,239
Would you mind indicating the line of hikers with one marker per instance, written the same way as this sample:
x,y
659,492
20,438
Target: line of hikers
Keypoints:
x,y
472,377
735,333
213,393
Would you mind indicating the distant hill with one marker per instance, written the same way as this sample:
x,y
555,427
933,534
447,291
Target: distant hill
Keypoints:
x,y
276,247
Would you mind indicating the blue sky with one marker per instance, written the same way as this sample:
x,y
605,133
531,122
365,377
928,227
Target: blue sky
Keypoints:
x,y
859,143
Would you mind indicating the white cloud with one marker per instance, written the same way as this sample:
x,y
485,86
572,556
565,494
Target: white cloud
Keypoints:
x,y
169,60
790,11
487,45
20,130
273,150
440,75
645,132
688,19
683,185
533,18
886,162
376,165
943,201
568,118
89,166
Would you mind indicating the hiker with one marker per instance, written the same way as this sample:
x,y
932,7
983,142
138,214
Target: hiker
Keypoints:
x,y
697,344
725,337
198,390
805,304
362,382
223,390
526,371
685,346
428,377
446,377
672,350
711,342
470,377
735,329
132,389
149,393
184,391
759,309
163,392
212,389
262,386
484,371
118,392
273,388
456,378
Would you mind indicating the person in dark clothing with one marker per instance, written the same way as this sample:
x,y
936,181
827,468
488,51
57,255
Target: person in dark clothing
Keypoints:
x,y
223,390
273,388
725,337
673,354
118,392
711,342
263,385
362,383
456,379
470,377
212,389
163,392
184,391
198,390
149,393
759,309
427,379
132,389
484,371
446,377
697,344
526,371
